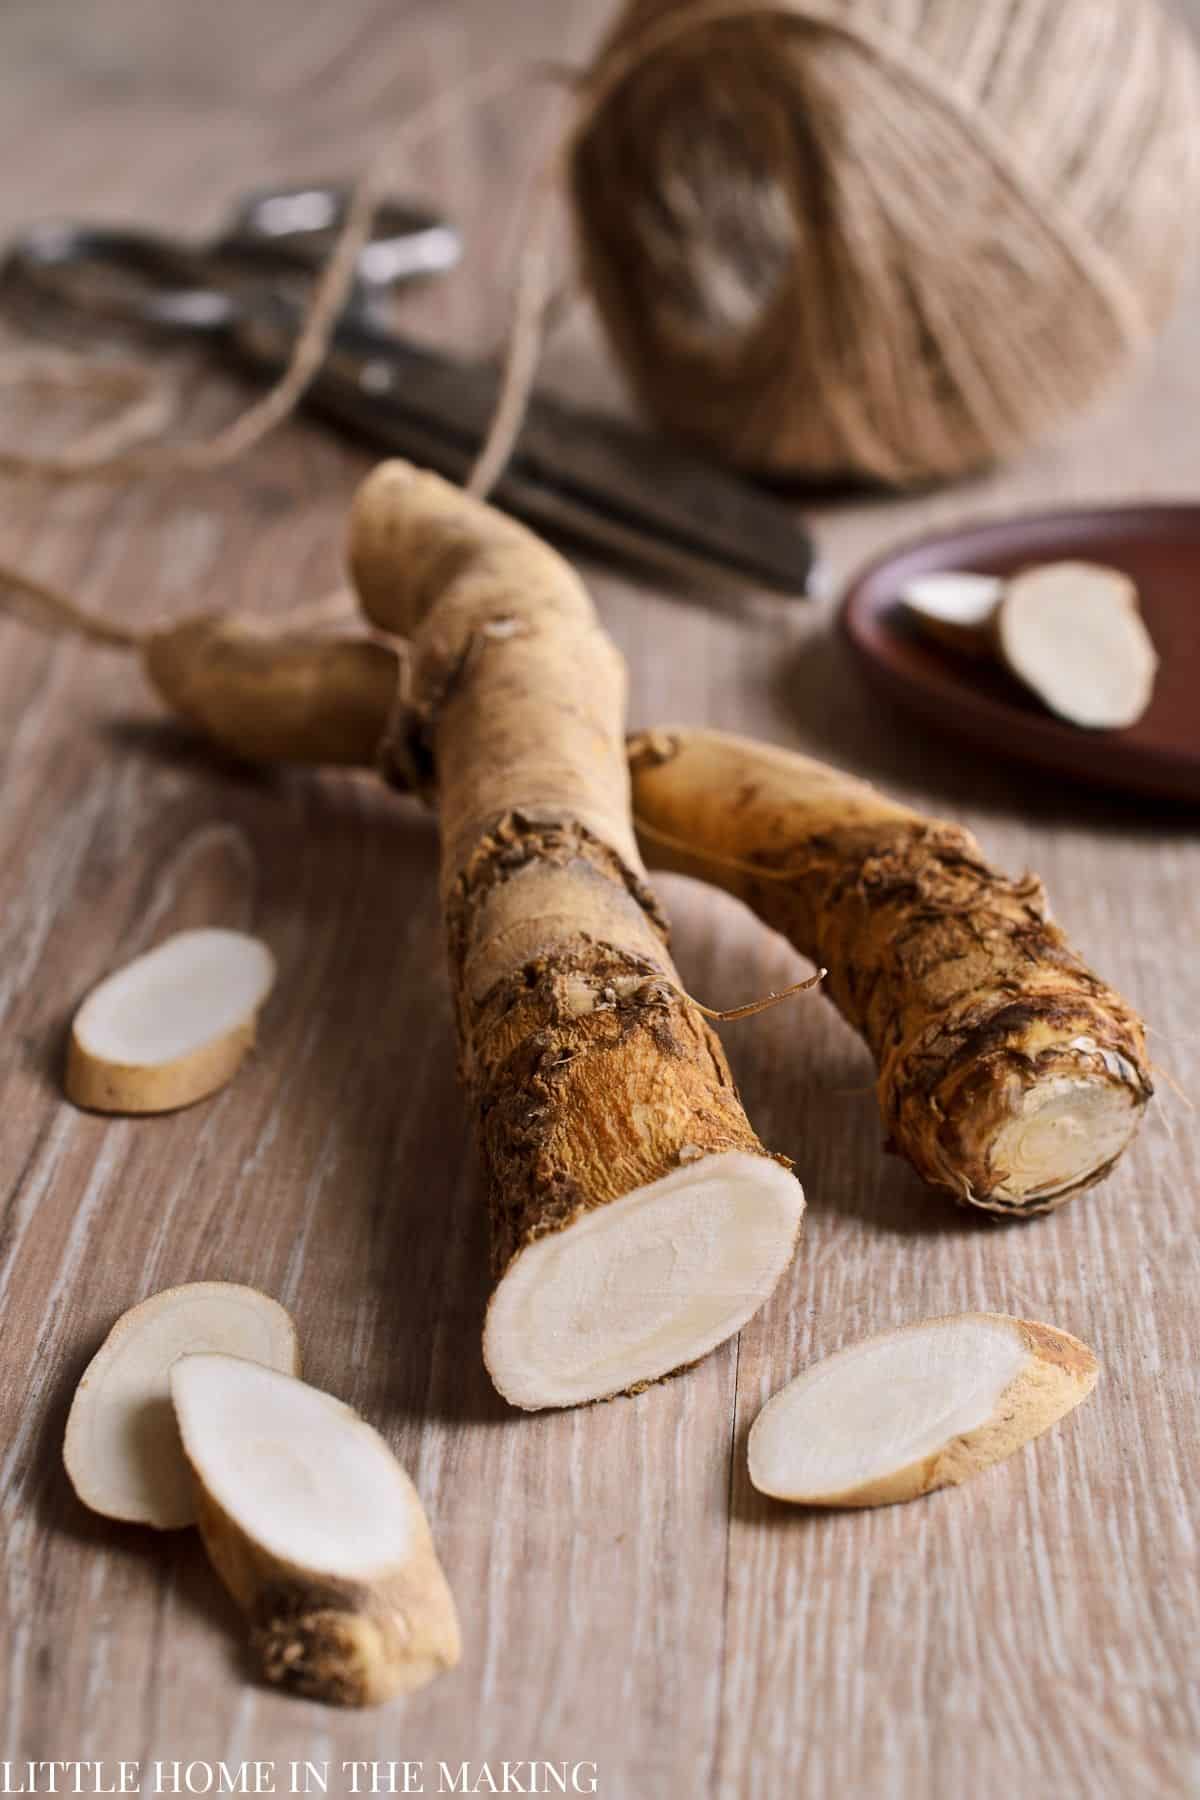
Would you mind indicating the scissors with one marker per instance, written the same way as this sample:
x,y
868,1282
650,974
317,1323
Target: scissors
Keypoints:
x,y
600,481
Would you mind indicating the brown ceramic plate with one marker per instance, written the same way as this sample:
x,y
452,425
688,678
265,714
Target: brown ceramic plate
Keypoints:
x,y
1158,546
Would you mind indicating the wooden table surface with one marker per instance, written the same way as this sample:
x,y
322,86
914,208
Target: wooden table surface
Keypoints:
x,y
627,1600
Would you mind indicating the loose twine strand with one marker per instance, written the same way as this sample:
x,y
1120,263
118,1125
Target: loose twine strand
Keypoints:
x,y
120,454
319,320
148,405
123,456
51,610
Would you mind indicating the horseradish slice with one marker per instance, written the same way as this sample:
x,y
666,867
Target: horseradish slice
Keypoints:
x,y
954,606
122,1449
1072,632
316,1531
923,1407
170,1027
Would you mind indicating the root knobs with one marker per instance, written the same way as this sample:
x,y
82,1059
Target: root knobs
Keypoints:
x,y
1009,1074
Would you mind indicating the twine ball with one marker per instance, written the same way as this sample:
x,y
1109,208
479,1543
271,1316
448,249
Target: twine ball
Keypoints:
x,y
896,239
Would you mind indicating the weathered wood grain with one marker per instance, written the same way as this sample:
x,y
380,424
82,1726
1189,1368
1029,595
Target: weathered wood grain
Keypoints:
x,y
626,1598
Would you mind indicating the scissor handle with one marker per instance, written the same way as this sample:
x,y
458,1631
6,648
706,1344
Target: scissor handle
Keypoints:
x,y
130,275
275,238
303,220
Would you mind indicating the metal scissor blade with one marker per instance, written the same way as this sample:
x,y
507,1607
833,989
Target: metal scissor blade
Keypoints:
x,y
665,494
602,480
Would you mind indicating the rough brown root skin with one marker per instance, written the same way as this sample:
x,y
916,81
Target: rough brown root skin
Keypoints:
x,y
1008,1074
591,1077
266,696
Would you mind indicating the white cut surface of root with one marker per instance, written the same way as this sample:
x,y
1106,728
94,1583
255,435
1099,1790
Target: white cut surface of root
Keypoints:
x,y
644,1285
955,606
316,1531
1074,634
122,1449
923,1407
1066,1132
170,1027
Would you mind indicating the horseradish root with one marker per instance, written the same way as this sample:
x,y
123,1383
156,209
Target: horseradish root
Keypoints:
x,y
316,1531
1008,1074
1073,633
270,696
637,1221
912,1410
122,1449
170,1027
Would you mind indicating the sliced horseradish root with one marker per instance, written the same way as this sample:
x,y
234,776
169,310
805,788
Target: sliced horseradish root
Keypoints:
x,y
620,1165
122,1449
1072,632
1010,1075
316,1531
920,1408
1064,1132
636,1289
170,1027
954,606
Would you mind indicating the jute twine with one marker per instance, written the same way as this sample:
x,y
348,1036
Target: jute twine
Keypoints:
x,y
893,238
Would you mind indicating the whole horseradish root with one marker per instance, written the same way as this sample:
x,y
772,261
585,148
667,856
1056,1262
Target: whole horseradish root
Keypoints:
x,y
637,1221
1009,1074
